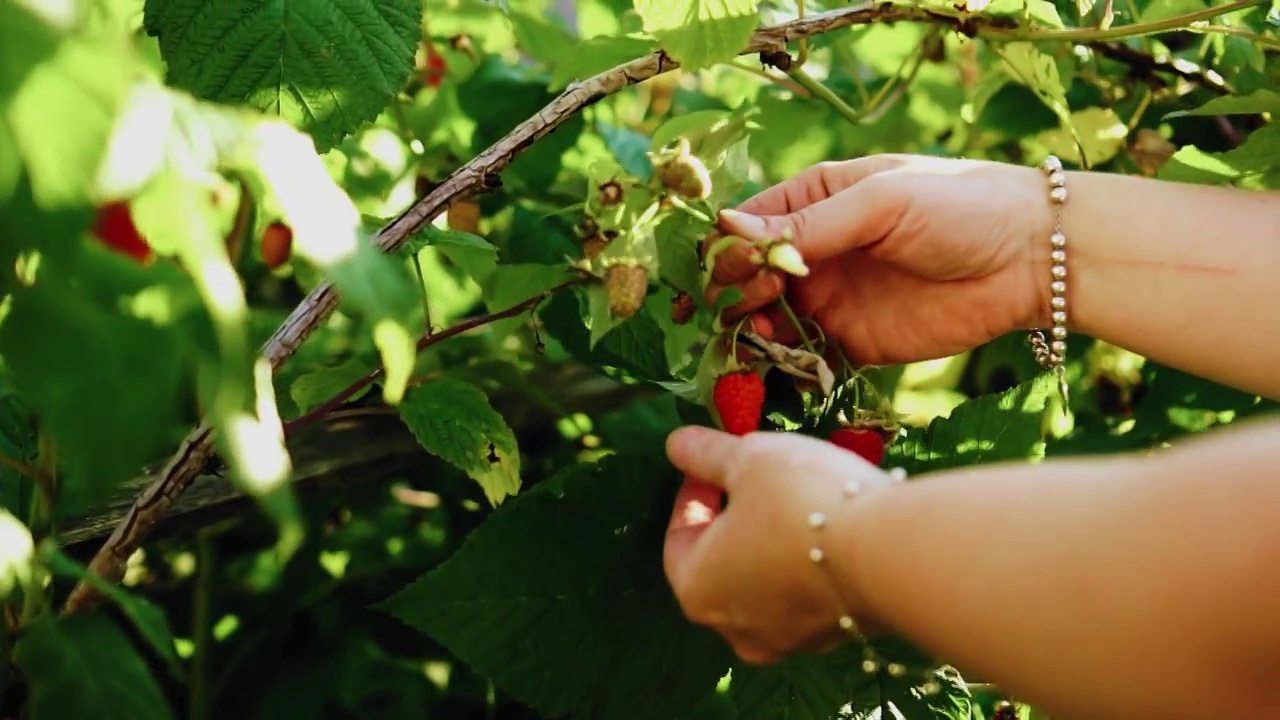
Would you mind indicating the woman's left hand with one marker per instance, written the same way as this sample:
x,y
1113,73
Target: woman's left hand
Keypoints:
x,y
745,570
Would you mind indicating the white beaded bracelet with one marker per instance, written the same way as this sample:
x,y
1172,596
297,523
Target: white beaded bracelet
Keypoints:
x,y
818,556
1051,352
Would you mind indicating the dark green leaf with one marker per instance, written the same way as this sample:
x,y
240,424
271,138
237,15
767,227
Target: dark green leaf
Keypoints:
x,y
986,429
454,420
570,573
82,666
327,68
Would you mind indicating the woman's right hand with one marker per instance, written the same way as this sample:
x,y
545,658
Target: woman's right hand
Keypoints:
x,y
910,257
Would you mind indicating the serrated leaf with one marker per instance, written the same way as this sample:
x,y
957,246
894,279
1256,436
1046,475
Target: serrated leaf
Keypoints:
x,y
570,574
700,33
82,666
802,687
454,421
986,429
326,68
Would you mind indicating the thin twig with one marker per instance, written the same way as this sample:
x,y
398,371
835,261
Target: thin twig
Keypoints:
x,y
478,174
424,342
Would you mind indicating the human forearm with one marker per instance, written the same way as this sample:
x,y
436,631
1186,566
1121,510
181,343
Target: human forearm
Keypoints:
x,y
1091,587
1184,274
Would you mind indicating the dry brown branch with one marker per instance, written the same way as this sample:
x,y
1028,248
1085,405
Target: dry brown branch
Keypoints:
x,y
475,176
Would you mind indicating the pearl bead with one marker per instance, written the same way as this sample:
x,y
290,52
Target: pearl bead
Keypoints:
x,y
1059,194
1058,240
1058,347
1058,302
1059,333
1058,178
1058,287
1059,317
816,554
1052,163
817,520
1058,272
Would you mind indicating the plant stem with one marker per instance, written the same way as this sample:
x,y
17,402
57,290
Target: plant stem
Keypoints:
x,y
424,342
802,52
824,93
791,316
199,698
1262,40
422,290
1082,35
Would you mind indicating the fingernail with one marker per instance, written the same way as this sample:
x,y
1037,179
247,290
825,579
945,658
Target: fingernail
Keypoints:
x,y
740,223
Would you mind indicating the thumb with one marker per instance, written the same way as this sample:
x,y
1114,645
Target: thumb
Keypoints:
x,y
852,218
697,505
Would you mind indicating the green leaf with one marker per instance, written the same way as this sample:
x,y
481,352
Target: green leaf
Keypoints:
x,y
146,616
593,56
1193,165
1042,12
1098,131
700,33
511,285
82,666
570,573
314,387
986,429
801,687
326,68
17,556
62,115
454,421
542,39
1259,101
105,383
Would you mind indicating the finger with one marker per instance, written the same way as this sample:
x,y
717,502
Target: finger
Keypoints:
x,y
704,454
856,217
815,184
734,264
697,505
757,292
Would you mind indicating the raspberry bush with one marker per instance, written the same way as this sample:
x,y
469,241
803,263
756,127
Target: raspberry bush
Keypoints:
x,y
339,341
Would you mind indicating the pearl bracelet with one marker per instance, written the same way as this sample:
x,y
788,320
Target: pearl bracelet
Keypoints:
x,y
1051,353
818,555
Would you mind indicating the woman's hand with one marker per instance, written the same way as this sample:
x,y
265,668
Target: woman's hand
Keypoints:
x,y
911,257
745,571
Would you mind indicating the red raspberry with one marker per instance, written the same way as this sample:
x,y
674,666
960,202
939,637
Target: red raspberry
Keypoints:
x,y
114,227
739,400
866,442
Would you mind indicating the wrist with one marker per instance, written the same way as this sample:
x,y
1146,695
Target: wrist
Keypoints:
x,y
856,539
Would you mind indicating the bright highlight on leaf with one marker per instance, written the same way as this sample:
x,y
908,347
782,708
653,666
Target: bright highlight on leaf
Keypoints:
x,y
700,33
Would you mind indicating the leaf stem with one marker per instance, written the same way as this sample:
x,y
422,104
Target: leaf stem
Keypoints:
x,y
791,316
824,93
802,52
424,342
426,301
1135,30
200,698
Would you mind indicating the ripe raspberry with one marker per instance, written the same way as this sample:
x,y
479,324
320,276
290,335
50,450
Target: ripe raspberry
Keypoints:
x,y
277,244
627,285
866,442
739,401
114,227
682,308
436,67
